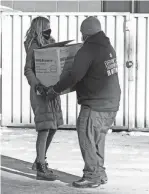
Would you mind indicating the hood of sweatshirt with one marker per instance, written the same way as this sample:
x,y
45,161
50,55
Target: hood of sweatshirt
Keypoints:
x,y
99,38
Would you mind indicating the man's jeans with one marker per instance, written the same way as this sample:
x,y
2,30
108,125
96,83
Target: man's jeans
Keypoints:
x,y
92,128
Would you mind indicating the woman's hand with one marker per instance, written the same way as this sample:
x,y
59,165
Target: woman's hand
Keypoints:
x,y
41,89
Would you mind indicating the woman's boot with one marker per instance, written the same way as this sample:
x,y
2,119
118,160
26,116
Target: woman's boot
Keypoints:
x,y
34,166
44,174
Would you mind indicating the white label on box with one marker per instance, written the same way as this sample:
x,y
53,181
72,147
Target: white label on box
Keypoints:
x,y
52,62
47,66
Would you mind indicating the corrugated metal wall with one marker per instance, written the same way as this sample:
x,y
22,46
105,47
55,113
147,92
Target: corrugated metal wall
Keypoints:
x,y
139,73
16,109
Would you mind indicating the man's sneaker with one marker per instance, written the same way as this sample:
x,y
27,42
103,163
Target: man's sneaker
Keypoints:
x,y
44,174
83,183
104,179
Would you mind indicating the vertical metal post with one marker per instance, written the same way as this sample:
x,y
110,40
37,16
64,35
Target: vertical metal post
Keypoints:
x,y
12,65
125,117
130,66
67,96
0,67
77,26
30,110
146,72
21,69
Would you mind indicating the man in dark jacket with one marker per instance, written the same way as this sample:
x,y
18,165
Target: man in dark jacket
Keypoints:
x,y
95,76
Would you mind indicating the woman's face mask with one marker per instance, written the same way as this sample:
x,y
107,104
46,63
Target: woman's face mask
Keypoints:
x,y
46,34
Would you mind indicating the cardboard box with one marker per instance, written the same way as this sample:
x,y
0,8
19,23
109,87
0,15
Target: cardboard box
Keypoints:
x,y
52,63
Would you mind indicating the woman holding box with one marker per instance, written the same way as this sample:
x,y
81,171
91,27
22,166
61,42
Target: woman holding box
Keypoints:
x,y
48,114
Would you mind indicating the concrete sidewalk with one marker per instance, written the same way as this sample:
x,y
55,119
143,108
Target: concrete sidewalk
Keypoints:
x,y
127,163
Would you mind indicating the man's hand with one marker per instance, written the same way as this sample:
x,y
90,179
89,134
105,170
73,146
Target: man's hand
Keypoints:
x,y
41,89
51,93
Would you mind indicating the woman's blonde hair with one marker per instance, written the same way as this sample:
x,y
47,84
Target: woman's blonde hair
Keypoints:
x,y
38,25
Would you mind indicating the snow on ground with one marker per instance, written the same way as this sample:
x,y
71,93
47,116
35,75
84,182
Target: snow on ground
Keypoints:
x,y
126,160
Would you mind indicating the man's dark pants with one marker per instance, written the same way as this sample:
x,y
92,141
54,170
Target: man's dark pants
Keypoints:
x,y
92,128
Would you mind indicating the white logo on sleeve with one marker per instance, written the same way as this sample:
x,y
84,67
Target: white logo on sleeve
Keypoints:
x,y
110,55
111,66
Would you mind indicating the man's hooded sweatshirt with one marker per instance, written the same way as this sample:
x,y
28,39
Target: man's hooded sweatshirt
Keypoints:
x,y
94,75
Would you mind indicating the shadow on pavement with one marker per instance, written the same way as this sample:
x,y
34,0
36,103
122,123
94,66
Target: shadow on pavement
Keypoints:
x,y
23,168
